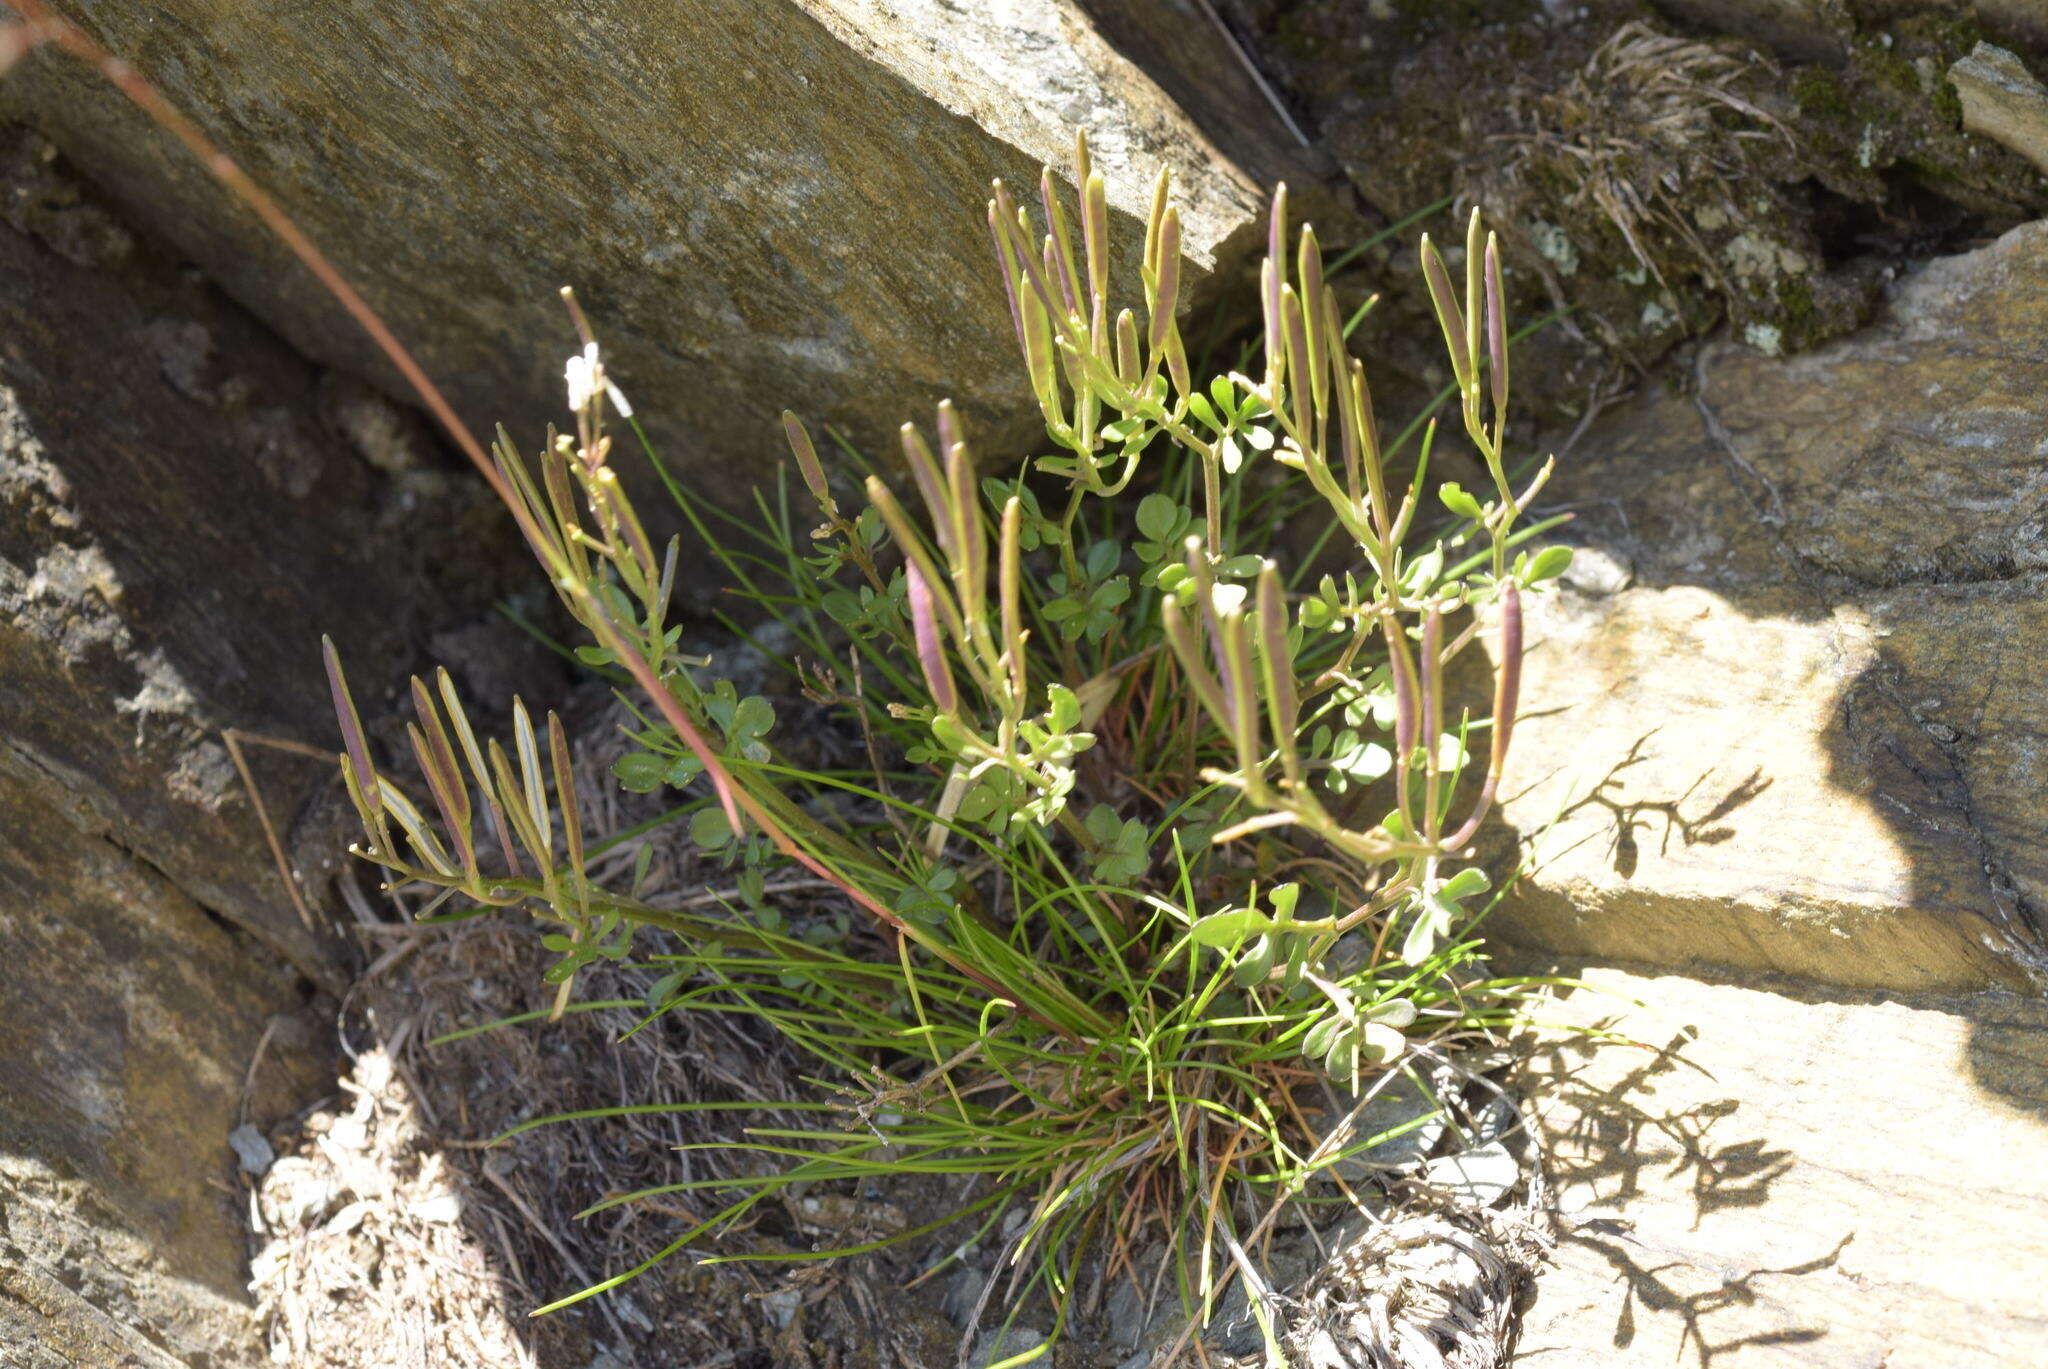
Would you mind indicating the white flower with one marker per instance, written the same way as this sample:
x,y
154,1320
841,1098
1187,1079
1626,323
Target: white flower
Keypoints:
x,y
586,377
585,374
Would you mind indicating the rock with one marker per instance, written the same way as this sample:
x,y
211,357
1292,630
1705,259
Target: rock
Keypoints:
x,y
176,530
132,1017
1806,738
771,205
1481,1176
1815,1179
176,526
1597,572
2002,100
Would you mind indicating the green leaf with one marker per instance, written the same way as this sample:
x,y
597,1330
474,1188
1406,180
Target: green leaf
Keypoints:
x,y
1158,515
1382,1043
710,830
1398,1013
664,988
1110,593
1547,564
1457,501
1059,610
1321,1037
1229,927
753,717
841,606
1066,707
639,772
1224,393
1463,885
1255,964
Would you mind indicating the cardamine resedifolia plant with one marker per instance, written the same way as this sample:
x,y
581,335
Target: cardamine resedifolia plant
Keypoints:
x,y
1156,833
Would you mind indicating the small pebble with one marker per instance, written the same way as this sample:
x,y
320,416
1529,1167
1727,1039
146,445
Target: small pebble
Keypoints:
x,y
1598,572
252,1150
1482,1176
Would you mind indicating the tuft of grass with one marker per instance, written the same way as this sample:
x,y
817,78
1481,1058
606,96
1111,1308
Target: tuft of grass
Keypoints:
x,y
1120,884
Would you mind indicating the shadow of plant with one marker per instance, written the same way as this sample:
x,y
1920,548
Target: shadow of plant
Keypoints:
x,y
1601,1139
1665,816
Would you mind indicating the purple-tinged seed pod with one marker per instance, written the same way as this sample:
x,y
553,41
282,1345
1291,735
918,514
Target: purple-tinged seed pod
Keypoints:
x,y
1128,364
1154,220
437,786
1281,700
1475,252
436,736
1059,261
807,463
1316,376
1027,260
351,725
566,796
1506,691
950,435
1299,379
1009,579
971,552
1095,236
1166,300
1178,635
931,653
1507,688
924,469
1432,671
1177,364
1407,719
1275,276
1448,316
1049,255
1008,266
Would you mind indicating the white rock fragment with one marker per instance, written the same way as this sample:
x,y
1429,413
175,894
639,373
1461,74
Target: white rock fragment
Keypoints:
x,y
2003,101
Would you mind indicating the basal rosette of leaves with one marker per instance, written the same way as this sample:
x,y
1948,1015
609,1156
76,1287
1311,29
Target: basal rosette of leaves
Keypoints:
x,y
1159,830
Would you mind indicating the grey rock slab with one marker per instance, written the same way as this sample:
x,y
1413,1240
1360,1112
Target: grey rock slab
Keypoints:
x,y
1785,1177
1804,737
177,525
769,205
